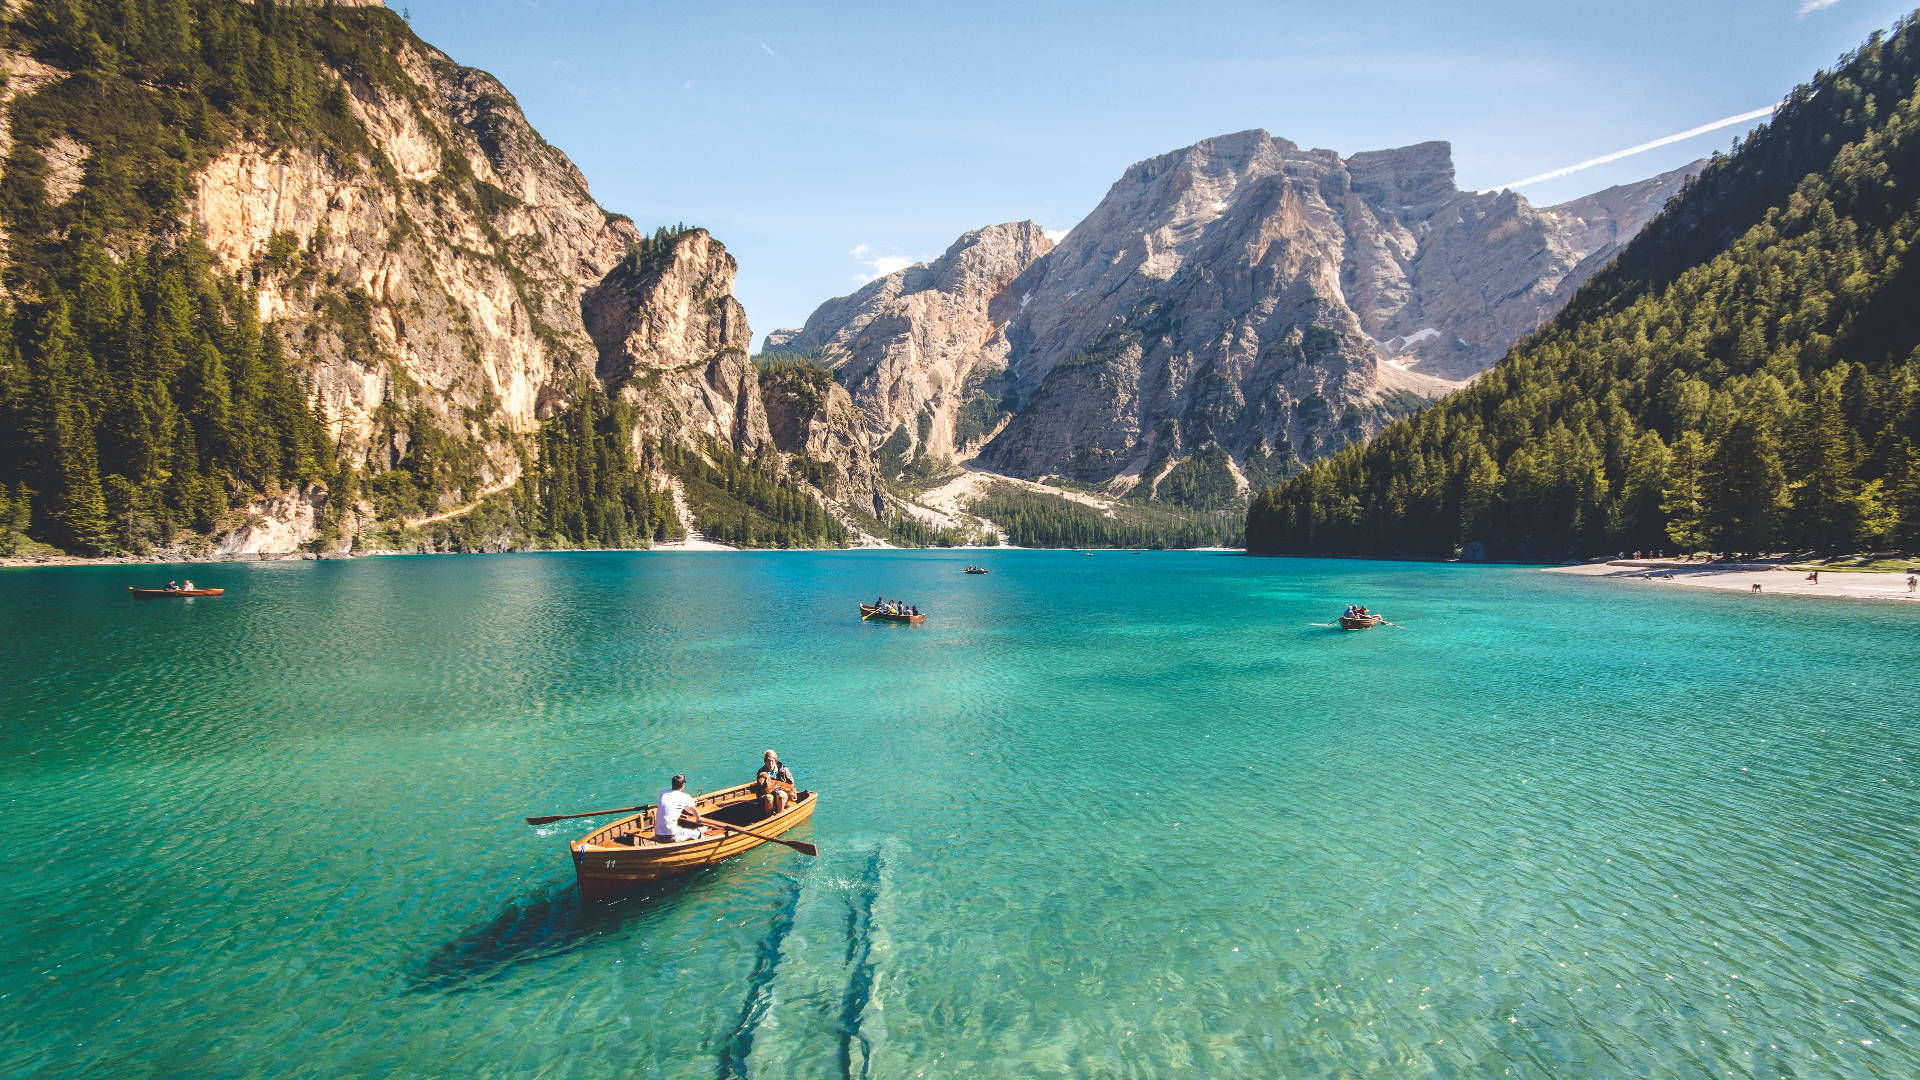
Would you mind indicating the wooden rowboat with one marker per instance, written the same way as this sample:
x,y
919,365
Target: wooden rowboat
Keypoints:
x,y
976,570
1361,622
149,594
868,611
625,855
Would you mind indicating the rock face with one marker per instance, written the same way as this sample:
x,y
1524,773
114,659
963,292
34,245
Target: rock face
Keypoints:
x,y
441,279
278,524
673,340
669,333
812,417
1271,300
1242,292
454,281
919,345
475,275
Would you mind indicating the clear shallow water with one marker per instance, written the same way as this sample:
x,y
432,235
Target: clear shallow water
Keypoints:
x,y
1112,816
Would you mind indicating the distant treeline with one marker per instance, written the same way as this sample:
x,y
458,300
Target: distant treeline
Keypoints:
x,y
1745,378
586,488
750,503
1034,519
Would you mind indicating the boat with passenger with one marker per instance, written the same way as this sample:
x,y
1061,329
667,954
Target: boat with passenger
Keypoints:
x,y
892,611
1359,618
152,594
626,854
976,569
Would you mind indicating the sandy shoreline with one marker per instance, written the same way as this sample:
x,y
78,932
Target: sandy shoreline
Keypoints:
x,y
1742,577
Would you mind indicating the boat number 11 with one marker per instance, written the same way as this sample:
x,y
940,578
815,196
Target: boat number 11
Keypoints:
x,y
610,864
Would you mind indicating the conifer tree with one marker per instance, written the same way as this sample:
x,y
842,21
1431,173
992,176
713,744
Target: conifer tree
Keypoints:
x,y
1743,486
1682,501
1828,511
1904,496
1761,328
1635,519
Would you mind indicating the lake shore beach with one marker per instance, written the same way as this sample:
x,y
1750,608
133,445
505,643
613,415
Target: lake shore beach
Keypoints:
x,y
1742,577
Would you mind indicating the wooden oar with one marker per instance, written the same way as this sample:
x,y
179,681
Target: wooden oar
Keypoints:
x,y
800,846
590,813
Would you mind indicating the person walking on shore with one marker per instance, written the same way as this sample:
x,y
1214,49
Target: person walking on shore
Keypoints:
x,y
1913,582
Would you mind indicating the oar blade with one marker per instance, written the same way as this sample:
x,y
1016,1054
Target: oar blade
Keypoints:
x,y
544,820
802,847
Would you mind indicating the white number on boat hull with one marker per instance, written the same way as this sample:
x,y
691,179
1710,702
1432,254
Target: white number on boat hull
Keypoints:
x,y
610,864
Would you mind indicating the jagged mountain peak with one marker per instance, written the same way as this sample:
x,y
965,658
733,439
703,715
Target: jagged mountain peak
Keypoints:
x,y
1242,292
1415,180
919,346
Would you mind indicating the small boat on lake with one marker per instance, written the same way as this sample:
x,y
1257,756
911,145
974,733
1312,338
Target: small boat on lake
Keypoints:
x,y
625,855
976,570
152,594
899,614
1361,622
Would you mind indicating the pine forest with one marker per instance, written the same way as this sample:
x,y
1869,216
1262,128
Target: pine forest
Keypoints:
x,y
1744,379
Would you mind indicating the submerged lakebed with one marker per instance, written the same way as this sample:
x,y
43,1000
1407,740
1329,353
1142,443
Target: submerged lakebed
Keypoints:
x,y
1111,815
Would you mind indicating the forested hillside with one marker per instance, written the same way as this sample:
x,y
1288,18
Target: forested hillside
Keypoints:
x,y
138,393
1745,377
289,270
1032,519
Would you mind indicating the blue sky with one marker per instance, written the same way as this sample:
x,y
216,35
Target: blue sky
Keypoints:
x,y
824,142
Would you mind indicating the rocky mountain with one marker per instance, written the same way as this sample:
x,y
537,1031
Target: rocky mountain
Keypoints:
x,y
1240,294
437,277
923,350
1743,378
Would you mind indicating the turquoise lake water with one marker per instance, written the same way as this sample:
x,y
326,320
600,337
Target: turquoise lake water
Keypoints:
x,y
1119,815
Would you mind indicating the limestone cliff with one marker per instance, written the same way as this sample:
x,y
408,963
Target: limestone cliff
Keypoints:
x,y
447,268
427,260
812,417
1241,292
673,340
921,345
668,331
1278,302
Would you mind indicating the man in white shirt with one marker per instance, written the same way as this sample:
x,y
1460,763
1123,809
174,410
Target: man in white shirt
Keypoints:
x,y
671,808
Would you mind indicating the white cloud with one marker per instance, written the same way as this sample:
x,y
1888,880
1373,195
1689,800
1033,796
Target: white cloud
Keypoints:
x,y
1726,121
1055,235
879,266
1808,7
770,51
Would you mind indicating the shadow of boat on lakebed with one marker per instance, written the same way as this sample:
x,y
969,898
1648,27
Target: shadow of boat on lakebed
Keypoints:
x,y
543,927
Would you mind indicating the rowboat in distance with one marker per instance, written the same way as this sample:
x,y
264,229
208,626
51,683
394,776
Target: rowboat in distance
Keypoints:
x,y
1361,622
976,570
880,614
153,594
625,855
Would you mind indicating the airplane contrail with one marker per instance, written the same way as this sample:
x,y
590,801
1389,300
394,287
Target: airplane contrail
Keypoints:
x,y
1631,150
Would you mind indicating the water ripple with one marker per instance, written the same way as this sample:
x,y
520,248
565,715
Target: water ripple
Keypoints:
x,y
1097,817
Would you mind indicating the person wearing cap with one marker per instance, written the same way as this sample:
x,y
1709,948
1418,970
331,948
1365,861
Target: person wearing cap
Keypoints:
x,y
672,809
